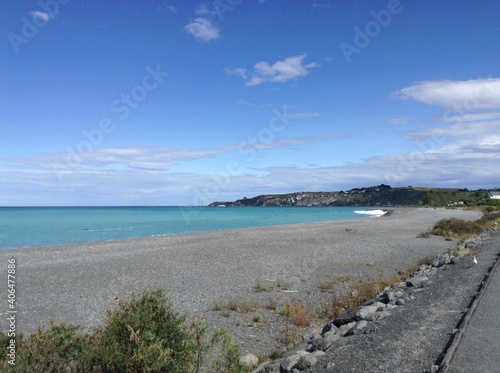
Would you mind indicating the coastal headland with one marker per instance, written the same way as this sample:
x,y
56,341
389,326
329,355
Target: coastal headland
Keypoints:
x,y
78,283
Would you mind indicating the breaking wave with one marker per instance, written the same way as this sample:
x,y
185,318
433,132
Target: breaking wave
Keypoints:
x,y
374,213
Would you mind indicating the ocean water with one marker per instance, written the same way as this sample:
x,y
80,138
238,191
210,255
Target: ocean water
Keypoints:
x,y
42,226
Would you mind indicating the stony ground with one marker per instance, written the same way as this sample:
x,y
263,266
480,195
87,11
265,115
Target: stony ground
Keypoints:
x,y
238,279
415,335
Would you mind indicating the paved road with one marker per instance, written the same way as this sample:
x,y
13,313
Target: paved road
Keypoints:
x,y
479,349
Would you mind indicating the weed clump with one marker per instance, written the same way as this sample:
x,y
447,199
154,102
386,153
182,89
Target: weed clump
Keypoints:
x,y
300,314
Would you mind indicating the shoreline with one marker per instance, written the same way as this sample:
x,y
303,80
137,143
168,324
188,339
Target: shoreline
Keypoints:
x,y
77,283
358,215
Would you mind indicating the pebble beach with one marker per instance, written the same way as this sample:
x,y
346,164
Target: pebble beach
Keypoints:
x,y
78,283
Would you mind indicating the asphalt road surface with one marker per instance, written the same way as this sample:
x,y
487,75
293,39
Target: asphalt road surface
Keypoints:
x,y
479,350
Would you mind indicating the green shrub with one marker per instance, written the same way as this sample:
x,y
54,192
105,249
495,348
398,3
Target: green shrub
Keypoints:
x,y
224,355
60,348
141,335
456,227
145,335
459,229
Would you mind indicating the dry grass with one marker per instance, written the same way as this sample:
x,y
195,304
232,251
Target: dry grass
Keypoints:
x,y
289,334
287,310
271,304
283,285
218,306
343,278
362,291
257,319
326,286
237,305
260,287
302,315
275,354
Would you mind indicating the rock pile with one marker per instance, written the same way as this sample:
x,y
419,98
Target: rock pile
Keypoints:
x,y
361,320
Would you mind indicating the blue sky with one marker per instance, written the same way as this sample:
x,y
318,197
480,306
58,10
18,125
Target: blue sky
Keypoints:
x,y
186,103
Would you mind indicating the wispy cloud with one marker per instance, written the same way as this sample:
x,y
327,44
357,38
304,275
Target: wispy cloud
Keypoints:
x,y
130,175
470,161
462,147
456,96
471,130
204,10
302,115
41,15
203,29
294,141
290,68
238,71
467,117
146,158
402,121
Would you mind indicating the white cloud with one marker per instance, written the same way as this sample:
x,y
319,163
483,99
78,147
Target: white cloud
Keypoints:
x,y
468,129
468,162
467,117
461,154
288,69
203,10
238,71
146,158
131,175
402,121
41,15
302,115
456,96
203,29
129,158
294,141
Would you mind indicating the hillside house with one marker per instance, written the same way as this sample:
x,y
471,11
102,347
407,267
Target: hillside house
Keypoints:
x,y
495,195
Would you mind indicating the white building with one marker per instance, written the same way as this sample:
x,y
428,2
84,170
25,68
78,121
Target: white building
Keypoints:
x,y
495,195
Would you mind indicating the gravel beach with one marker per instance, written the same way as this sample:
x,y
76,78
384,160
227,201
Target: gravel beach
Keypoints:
x,y
77,283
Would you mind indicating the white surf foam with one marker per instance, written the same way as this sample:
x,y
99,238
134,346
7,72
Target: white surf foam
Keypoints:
x,y
374,213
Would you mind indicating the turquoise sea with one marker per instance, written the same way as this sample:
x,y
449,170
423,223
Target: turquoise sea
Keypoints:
x,y
41,226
